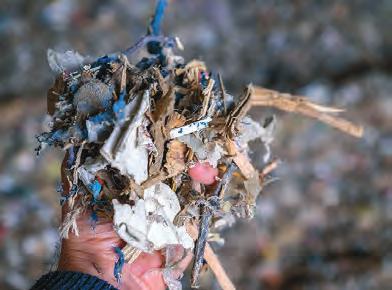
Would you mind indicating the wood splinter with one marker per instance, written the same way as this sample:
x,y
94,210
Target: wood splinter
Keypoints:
x,y
298,104
269,168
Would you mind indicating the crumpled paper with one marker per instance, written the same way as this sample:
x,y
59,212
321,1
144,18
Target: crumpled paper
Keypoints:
x,y
148,225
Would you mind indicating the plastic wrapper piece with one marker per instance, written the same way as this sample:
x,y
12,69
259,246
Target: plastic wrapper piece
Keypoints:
x,y
64,61
190,128
88,170
210,152
252,130
170,280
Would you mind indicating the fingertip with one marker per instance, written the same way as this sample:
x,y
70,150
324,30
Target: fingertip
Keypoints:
x,y
203,173
146,261
154,279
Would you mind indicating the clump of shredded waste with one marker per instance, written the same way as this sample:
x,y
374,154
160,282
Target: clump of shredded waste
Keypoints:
x,y
134,125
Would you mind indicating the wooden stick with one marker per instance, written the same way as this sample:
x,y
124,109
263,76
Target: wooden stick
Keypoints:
x,y
299,104
213,261
240,159
269,168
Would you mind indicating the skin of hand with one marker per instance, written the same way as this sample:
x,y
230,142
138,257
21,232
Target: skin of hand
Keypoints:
x,y
92,251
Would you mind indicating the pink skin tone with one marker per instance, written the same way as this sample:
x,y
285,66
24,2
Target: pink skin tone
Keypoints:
x,y
203,173
92,251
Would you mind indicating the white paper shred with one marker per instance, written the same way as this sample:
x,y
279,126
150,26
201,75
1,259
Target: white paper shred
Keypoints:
x,y
252,130
64,61
126,151
190,128
210,152
95,132
87,171
148,225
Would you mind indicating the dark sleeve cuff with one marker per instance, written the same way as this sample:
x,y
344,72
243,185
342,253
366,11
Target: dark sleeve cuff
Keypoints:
x,y
65,280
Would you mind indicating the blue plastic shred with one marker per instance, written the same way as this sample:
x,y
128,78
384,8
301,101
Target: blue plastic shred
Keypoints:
x,y
101,117
106,59
73,88
74,190
204,80
145,63
81,132
119,105
63,199
59,187
51,138
119,264
158,17
58,136
71,157
93,219
164,72
96,188
179,96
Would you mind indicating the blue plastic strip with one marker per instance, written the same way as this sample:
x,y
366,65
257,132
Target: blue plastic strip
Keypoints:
x,y
96,188
158,17
119,264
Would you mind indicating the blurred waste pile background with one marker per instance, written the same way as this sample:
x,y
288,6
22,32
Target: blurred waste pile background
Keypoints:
x,y
323,222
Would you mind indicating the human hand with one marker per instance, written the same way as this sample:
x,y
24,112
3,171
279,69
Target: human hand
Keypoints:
x,y
92,252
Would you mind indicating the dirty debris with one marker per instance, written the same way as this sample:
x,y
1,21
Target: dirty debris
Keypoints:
x,y
139,133
188,129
